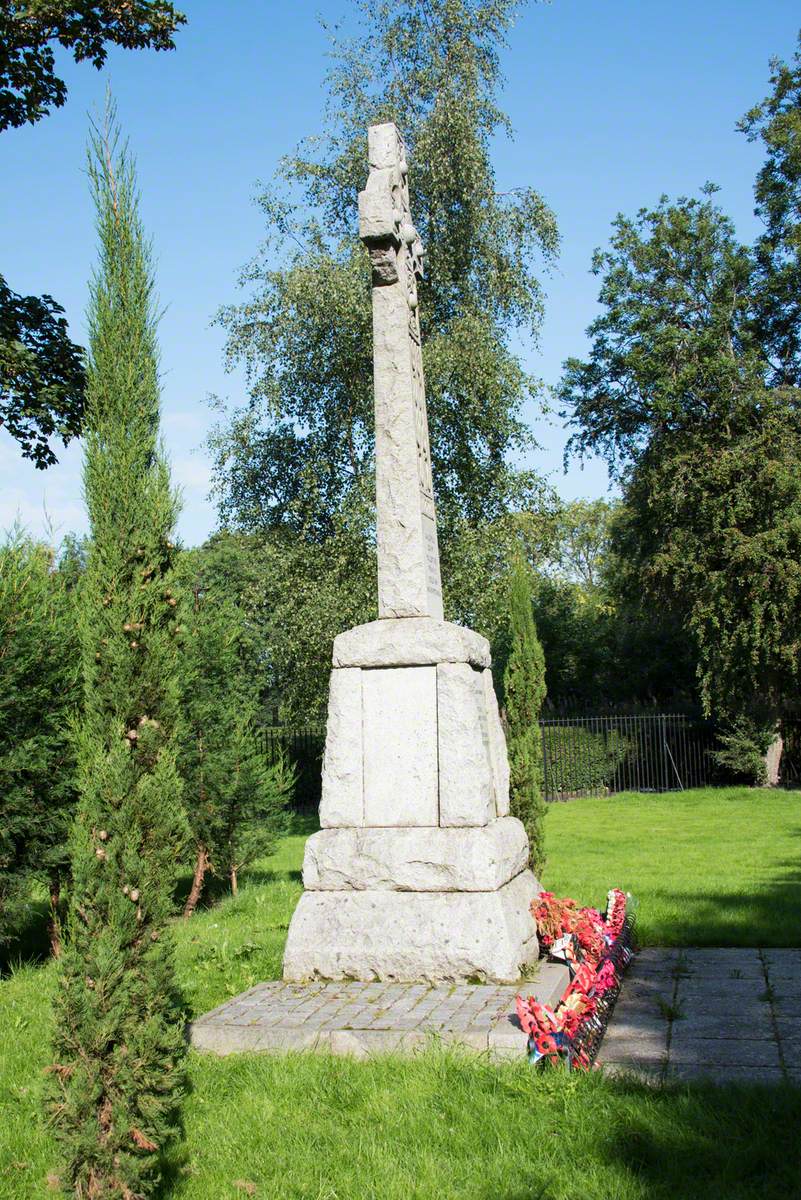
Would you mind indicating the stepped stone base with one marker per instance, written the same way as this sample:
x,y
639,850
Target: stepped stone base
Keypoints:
x,y
416,860
361,1019
418,872
410,936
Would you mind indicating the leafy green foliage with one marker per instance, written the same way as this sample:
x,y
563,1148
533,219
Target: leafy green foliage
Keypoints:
x,y
300,452
744,743
296,597
675,395
717,525
41,374
612,644
29,29
234,799
118,1076
582,761
673,350
39,660
523,694
776,122
582,540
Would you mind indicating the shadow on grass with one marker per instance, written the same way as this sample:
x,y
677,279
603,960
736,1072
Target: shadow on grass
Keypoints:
x,y
767,916
30,941
732,1142
304,823
448,1123
298,824
711,1141
260,877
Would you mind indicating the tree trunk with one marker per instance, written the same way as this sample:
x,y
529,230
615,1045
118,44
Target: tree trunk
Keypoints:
x,y
234,881
773,760
54,925
201,867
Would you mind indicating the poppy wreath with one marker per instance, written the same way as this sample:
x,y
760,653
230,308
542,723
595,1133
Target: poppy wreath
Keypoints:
x,y
596,949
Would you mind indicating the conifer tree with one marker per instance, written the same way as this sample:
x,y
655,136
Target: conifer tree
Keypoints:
x,y
524,692
234,797
119,1033
37,760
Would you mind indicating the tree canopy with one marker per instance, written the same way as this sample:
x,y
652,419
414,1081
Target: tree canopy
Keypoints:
x,y
673,348
29,29
41,375
776,122
680,394
41,368
301,452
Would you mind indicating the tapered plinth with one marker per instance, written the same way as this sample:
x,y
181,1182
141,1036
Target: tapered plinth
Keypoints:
x,y
419,872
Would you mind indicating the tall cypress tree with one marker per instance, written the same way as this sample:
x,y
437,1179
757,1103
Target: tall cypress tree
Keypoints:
x,y
524,692
118,1040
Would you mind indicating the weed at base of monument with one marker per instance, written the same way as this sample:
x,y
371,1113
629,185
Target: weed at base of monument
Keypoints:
x,y
597,950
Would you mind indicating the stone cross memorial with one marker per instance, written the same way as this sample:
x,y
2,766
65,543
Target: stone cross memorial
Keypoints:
x,y
418,872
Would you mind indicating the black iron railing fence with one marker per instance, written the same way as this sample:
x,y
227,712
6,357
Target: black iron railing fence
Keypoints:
x,y
582,755
303,748
655,752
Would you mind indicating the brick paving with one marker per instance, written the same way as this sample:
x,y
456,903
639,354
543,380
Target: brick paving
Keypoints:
x,y
719,1014
366,1018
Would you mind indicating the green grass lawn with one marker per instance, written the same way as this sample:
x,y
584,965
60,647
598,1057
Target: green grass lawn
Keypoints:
x,y
710,867
707,867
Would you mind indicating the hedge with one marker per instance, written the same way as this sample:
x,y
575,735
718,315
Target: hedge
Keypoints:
x,y
578,760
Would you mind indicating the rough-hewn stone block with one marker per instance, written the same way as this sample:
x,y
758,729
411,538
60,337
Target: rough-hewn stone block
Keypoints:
x,y
436,936
409,642
497,744
416,860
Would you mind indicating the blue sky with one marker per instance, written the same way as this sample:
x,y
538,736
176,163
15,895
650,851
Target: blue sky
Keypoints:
x,y
612,104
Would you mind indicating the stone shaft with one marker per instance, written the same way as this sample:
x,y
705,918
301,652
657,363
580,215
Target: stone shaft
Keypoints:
x,y
409,582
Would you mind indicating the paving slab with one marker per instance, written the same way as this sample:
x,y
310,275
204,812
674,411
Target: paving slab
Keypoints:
x,y
621,1047
782,959
648,1070
718,983
732,965
657,954
726,1074
730,1015
717,1026
360,1019
786,1008
636,1021
711,1053
722,956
